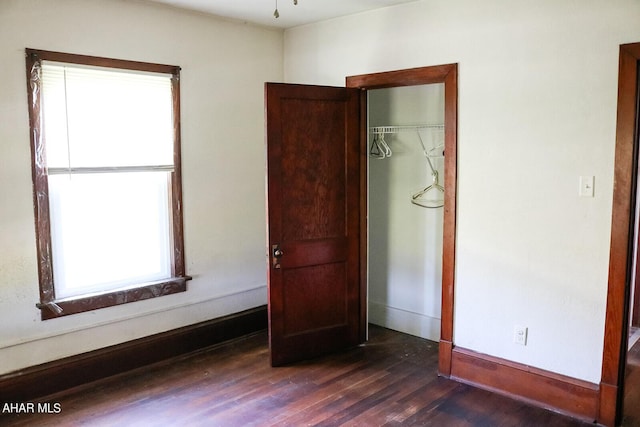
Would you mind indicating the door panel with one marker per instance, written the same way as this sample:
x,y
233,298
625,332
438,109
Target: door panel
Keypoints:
x,y
313,170
314,299
313,202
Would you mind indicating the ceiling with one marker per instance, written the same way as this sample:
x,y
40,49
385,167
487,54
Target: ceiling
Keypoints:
x,y
261,11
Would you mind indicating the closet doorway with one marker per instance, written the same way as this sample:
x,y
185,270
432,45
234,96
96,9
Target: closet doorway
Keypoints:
x,y
333,244
405,212
438,78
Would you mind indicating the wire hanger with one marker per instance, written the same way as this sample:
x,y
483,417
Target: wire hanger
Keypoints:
x,y
433,195
379,147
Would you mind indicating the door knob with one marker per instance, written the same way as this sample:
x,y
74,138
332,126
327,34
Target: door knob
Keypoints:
x,y
277,254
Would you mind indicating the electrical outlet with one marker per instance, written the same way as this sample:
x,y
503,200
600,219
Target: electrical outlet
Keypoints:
x,y
520,335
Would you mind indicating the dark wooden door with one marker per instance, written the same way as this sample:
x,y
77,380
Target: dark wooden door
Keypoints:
x,y
313,220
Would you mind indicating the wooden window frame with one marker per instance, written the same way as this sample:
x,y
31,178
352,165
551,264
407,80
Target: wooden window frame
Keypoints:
x,y
49,306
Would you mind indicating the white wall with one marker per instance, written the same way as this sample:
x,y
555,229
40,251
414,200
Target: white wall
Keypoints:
x,y
405,240
224,66
537,109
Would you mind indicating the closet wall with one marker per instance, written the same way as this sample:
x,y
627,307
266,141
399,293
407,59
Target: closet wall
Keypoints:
x,y
405,240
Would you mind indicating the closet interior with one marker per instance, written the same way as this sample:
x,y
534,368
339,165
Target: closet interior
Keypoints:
x,y
405,212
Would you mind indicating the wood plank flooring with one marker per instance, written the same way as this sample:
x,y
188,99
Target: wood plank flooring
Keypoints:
x,y
390,381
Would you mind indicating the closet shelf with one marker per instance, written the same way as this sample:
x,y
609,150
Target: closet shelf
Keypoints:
x,y
380,149
377,130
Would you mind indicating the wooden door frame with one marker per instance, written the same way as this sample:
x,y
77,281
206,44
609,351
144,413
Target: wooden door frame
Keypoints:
x,y
447,74
622,236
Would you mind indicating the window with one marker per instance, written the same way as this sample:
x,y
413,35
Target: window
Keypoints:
x,y
105,140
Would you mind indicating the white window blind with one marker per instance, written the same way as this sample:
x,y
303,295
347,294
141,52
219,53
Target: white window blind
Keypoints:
x,y
109,142
101,117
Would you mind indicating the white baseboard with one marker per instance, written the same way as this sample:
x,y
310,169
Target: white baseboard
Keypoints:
x,y
404,321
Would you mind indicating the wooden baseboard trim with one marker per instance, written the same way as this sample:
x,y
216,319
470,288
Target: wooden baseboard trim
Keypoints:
x,y
52,377
559,393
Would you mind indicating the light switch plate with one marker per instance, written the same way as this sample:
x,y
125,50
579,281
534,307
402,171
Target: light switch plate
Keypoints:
x,y
586,186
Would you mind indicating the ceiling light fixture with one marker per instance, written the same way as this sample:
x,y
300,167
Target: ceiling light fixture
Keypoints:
x,y
276,14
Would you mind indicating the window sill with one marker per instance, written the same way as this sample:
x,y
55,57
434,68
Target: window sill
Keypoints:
x,y
80,304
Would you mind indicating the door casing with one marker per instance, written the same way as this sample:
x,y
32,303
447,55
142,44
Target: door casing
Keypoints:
x,y
447,74
620,255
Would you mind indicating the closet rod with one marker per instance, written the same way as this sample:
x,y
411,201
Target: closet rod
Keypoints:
x,y
376,130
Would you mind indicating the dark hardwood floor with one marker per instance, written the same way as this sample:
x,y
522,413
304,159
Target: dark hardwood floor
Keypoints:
x,y
390,381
